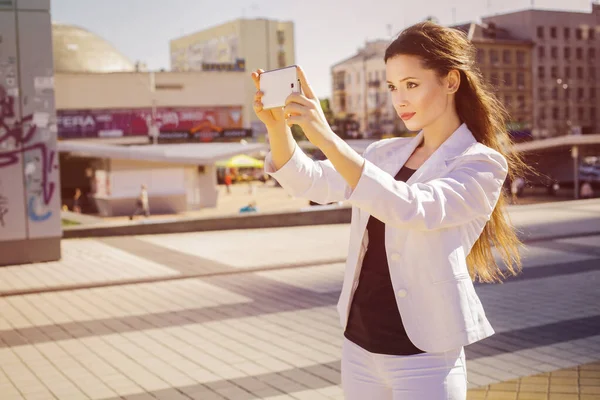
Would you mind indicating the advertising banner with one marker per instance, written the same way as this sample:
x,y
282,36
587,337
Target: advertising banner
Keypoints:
x,y
176,123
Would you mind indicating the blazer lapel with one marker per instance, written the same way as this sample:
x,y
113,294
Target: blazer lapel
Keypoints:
x,y
392,158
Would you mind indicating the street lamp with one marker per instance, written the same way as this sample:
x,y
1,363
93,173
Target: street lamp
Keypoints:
x,y
574,149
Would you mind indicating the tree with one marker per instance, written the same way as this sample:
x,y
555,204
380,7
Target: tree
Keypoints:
x,y
327,111
432,18
298,133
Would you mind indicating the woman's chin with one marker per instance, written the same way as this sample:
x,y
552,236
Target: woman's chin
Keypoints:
x,y
413,126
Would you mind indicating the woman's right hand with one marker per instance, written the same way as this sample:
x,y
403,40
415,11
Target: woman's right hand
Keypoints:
x,y
273,117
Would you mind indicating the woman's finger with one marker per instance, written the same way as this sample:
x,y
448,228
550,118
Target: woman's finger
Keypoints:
x,y
294,109
258,106
258,95
306,88
256,78
298,98
293,120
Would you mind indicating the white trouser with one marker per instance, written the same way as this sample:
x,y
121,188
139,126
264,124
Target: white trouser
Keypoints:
x,y
425,376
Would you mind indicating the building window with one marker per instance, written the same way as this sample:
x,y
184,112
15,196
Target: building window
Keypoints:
x,y
541,52
591,54
567,93
580,95
542,93
507,57
520,57
280,37
592,73
541,72
567,72
579,53
521,102
494,57
567,33
578,34
554,93
480,56
592,113
592,93
542,113
579,72
554,52
580,113
592,34
540,32
282,61
567,52
508,101
555,114
520,80
554,71
508,81
553,32
494,79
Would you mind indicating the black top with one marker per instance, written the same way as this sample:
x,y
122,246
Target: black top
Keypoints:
x,y
374,322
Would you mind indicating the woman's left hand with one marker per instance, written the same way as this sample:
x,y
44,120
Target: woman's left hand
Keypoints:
x,y
305,111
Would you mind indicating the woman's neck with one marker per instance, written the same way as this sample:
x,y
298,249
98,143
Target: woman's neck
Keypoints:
x,y
439,131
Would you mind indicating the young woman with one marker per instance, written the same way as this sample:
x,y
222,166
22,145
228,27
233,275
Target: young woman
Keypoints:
x,y
425,214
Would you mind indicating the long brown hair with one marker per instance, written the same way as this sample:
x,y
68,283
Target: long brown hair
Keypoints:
x,y
444,49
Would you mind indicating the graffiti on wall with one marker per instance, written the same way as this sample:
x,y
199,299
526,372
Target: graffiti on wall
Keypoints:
x,y
16,140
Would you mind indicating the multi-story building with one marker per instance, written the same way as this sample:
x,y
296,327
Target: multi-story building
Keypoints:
x,y
360,99
505,63
564,67
239,45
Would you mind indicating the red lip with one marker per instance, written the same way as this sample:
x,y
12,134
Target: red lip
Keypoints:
x,y
407,116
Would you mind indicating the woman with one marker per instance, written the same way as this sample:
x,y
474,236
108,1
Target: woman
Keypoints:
x,y
425,213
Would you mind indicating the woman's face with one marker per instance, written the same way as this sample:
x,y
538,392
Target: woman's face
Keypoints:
x,y
419,96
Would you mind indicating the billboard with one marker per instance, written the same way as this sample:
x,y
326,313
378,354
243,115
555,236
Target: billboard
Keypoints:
x,y
185,123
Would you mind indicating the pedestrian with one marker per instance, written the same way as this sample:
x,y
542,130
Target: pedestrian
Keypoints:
x,y
141,204
228,181
587,192
425,213
77,201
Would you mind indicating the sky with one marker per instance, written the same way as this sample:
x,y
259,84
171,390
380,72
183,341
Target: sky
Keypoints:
x,y
326,31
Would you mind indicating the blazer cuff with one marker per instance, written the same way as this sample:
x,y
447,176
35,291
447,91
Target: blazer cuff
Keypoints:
x,y
288,173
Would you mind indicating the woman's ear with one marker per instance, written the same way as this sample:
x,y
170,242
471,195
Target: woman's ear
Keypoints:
x,y
453,80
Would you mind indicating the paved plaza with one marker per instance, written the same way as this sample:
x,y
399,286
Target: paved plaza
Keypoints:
x,y
250,314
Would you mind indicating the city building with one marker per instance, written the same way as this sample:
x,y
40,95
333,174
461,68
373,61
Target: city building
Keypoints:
x,y
241,45
505,62
360,100
104,100
564,67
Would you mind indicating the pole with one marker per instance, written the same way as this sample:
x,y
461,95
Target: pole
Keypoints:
x,y
365,118
153,123
575,155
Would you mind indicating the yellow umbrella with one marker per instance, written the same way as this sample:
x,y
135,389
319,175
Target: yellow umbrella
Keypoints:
x,y
241,161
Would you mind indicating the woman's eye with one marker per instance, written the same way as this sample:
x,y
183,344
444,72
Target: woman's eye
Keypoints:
x,y
411,85
391,87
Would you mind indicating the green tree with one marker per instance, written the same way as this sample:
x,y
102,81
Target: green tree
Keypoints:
x,y
298,133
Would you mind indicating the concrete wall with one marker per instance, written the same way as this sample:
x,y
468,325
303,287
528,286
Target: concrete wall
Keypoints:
x,y
30,224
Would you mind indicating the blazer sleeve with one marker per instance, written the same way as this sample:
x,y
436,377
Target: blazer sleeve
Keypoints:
x,y
471,190
303,177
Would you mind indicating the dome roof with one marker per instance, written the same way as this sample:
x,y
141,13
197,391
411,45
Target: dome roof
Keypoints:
x,y
78,50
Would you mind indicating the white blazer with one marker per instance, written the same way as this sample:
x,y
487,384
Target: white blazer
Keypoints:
x,y
431,224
